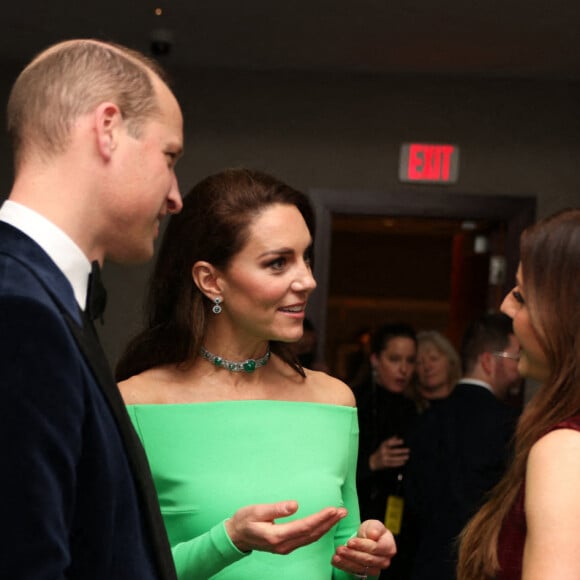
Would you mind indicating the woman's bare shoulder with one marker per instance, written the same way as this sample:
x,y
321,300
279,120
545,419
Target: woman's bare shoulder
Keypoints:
x,y
553,506
330,390
146,388
560,446
553,472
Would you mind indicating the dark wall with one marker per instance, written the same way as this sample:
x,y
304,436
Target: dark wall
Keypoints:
x,y
344,133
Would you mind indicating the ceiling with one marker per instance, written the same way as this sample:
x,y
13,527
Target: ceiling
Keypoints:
x,y
481,38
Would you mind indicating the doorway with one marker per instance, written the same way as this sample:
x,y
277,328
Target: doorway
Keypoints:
x,y
434,260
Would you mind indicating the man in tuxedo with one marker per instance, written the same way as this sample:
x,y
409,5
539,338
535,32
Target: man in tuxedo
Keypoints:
x,y
462,446
96,133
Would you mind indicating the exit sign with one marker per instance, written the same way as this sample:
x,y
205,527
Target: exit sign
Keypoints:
x,y
429,163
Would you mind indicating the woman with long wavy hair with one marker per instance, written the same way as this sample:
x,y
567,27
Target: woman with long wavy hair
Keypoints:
x,y
530,527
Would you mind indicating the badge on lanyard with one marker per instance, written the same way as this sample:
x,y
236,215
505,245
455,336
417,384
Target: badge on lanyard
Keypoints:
x,y
394,513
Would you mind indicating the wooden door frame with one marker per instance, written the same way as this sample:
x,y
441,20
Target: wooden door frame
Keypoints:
x,y
516,211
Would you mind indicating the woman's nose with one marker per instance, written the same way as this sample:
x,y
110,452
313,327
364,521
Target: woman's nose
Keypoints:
x,y
304,280
508,306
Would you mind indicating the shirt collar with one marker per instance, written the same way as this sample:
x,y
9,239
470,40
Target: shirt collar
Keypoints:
x,y
476,382
69,258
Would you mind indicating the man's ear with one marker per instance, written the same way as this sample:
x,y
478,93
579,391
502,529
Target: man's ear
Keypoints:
x,y
487,362
108,123
207,278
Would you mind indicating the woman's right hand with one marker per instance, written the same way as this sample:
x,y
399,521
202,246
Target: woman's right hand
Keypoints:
x,y
253,527
390,453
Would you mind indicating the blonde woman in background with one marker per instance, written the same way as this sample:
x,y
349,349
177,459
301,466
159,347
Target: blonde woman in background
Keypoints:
x,y
438,368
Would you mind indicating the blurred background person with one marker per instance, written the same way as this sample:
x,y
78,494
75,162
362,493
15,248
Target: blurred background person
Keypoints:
x,y
438,368
461,446
305,349
530,527
353,365
386,418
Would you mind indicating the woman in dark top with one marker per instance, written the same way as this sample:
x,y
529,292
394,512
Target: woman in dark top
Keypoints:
x,y
530,528
386,417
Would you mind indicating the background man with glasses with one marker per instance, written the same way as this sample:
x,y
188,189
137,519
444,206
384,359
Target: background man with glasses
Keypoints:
x,y
462,446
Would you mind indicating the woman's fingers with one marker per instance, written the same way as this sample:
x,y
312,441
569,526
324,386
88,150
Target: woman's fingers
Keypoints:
x,y
253,527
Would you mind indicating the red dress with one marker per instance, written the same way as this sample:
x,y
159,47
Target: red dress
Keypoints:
x,y
512,536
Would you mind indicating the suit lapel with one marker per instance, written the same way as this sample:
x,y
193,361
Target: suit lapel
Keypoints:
x,y
90,346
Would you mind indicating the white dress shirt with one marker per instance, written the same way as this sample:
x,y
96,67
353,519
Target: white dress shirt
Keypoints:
x,y
478,383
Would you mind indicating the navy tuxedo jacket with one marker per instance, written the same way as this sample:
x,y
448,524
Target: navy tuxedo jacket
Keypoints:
x,y
76,495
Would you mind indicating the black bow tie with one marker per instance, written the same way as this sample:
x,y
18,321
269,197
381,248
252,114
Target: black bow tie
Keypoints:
x,y
96,294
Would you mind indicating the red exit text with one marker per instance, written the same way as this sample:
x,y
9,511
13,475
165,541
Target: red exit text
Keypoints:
x,y
430,163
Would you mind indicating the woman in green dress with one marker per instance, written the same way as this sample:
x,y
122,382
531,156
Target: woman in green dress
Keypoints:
x,y
253,456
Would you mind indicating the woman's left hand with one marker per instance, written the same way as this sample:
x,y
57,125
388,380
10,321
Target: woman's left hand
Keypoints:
x,y
369,553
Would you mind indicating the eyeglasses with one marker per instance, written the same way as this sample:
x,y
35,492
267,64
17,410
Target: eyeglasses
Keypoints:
x,y
504,354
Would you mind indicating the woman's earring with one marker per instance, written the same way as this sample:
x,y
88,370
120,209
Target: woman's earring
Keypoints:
x,y
216,307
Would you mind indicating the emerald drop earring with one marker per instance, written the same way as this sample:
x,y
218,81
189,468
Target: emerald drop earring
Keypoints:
x,y
216,309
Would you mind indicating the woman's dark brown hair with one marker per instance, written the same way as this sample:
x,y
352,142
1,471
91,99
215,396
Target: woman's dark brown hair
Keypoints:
x,y
213,226
550,259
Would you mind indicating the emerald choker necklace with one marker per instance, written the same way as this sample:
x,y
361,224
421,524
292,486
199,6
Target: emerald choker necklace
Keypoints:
x,y
248,366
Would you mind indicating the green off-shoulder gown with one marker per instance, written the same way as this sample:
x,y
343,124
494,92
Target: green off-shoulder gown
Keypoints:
x,y
210,459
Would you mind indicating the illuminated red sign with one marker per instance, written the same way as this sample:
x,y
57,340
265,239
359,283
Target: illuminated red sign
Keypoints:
x,y
429,163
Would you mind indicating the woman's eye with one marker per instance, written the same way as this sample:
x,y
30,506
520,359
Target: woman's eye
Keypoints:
x,y
518,296
277,264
